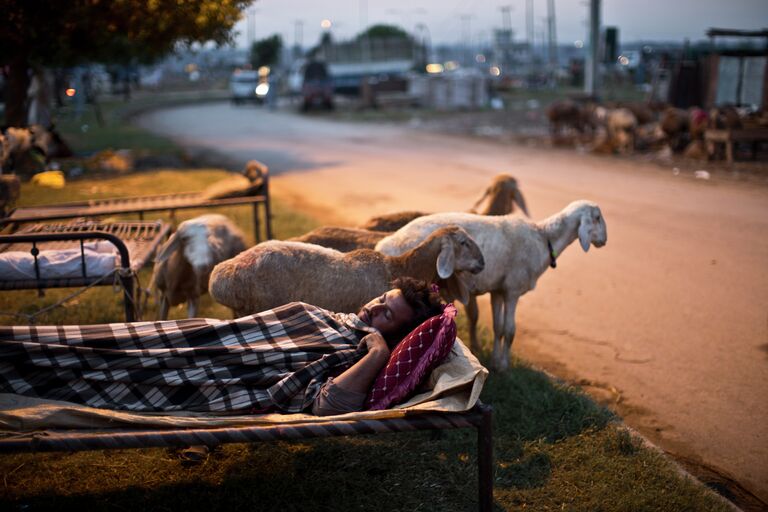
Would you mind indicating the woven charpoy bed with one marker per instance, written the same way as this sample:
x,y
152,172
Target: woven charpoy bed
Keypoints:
x,y
136,242
449,400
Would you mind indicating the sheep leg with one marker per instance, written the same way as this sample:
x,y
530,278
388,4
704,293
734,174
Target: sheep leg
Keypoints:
x,y
162,313
472,315
497,308
192,307
508,336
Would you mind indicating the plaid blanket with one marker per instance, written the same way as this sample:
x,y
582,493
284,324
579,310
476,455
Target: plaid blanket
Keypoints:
x,y
275,360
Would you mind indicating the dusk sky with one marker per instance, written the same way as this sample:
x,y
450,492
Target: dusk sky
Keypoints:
x,y
448,21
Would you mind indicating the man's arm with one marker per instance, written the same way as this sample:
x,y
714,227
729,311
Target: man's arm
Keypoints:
x,y
359,377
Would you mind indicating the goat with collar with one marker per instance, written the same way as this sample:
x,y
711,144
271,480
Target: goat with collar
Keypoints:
x,y
516,252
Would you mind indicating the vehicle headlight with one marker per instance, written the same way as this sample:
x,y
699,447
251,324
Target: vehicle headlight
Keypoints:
x,y
262,89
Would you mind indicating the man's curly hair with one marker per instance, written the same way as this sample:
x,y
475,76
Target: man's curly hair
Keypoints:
x,y
422,298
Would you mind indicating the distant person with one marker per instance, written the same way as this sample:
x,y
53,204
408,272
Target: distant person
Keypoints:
x,y
40,98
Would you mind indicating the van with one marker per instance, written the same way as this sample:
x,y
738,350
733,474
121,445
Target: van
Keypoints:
x,y
247,85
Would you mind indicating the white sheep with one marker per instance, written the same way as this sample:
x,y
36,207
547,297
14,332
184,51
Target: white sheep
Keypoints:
x,y
278,272
516,252
184,263
501,195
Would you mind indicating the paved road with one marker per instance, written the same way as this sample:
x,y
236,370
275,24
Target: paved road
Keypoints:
x,y
669,321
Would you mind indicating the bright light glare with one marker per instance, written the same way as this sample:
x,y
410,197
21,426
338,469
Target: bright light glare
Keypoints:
x,y
480,58
262,89
578,43
495,70
451,65
434,68
264,71
326,24
70,92
623,60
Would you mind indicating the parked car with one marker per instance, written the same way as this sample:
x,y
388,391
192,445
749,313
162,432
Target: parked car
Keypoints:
x,y
247,85
317,88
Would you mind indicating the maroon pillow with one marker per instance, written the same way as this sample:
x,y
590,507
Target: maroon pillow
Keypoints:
x,y
413,359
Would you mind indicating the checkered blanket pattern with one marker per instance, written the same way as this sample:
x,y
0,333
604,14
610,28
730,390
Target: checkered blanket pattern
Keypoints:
x,y
272,361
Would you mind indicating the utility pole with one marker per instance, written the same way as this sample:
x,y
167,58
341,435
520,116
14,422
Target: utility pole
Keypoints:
x,y
529,23
251,26
506,17
504,40
466,20
529,35
552,36
591,78
298,36
365,43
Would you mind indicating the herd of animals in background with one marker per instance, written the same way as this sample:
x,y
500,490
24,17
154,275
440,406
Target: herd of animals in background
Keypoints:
x,y
26,151
625,128
486,250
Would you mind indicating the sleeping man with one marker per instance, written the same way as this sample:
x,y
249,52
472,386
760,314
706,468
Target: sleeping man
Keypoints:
x,y
289,359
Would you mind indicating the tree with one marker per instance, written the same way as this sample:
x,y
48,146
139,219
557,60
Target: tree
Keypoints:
x,y
69,32
266,52
384,32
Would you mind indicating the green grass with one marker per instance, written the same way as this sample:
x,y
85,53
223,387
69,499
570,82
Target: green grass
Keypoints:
x,y
555,449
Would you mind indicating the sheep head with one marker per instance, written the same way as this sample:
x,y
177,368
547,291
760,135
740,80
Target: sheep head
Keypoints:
x,y
255,171
592,228
458,252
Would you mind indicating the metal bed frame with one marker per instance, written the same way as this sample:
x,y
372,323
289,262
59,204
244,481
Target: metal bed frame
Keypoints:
x,y
479,418
135,241
142,204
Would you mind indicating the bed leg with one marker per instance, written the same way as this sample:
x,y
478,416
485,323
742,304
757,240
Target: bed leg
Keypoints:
x,y
128,298
268,216
485,459
256,230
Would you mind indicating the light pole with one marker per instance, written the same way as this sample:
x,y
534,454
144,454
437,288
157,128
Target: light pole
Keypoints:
x,y
591,78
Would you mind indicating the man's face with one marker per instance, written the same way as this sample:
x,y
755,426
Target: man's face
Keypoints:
x,y
387,313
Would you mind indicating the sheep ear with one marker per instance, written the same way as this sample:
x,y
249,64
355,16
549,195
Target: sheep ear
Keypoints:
x,y
461,290
445,261
585,231
168,248
477,203
455,288
520,200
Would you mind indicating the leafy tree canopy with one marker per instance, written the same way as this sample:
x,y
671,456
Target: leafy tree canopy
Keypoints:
x,y
66,32
69,32
266,52
382,31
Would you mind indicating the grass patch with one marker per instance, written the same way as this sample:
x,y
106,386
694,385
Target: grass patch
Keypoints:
x,y
86,135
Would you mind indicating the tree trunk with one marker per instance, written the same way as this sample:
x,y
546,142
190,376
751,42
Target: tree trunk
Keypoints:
x,y
16,92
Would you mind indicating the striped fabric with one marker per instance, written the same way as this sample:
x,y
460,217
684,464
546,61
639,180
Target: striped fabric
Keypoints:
x,y
272,361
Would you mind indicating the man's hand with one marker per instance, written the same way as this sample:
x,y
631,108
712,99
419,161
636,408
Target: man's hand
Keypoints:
x,y
376,345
